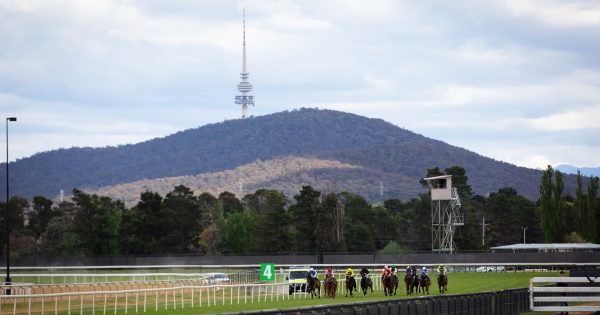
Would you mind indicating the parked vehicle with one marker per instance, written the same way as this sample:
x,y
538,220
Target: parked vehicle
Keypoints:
x,y
297,278
491,269
218,277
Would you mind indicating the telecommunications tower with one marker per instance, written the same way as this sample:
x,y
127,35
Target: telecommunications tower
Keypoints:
x,y
244,87
445,214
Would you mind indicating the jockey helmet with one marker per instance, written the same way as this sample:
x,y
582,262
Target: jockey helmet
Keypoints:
x,y
385,266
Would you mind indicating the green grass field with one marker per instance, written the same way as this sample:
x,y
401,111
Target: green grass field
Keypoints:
x,y
458,283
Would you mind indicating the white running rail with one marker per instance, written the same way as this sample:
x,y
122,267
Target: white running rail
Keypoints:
x,y
545,290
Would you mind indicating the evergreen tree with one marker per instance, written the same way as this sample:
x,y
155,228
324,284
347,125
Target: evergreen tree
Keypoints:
x,y
553,217
559,188
97,222
239,233
415,224
304,220
579,213
143,225
60,239
182,217
273,222
460,181
359,224
230,203
42,212
592,206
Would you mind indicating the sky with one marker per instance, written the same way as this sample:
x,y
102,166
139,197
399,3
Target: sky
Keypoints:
x,y
517,81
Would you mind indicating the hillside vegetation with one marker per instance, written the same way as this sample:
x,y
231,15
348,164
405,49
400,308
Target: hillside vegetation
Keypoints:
x,y
278,173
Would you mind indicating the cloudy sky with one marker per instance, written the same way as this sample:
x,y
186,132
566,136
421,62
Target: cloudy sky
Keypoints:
x,y
517,81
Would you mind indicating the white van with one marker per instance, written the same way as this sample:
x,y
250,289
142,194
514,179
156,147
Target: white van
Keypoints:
x,y
297,278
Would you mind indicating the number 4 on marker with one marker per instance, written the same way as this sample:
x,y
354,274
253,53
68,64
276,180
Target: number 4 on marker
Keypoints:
x,y
267,272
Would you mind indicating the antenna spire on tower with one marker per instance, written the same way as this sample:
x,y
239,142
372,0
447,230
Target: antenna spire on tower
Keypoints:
x,y
244,87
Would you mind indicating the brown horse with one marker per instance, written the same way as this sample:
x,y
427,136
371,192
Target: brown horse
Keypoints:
x,y
365,283
423,283
314,286
330,287
442,280
411,281
350,285
390,284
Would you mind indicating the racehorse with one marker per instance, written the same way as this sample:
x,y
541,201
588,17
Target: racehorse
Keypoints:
x,y
314,286
415,282
330,287
412,281
350,285
365,283
423,284
390,284
442,280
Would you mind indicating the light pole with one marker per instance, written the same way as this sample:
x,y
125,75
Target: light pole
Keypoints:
x,y
7,280
524,230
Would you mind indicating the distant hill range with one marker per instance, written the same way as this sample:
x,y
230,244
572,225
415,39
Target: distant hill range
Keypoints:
x,y
330,150
585,171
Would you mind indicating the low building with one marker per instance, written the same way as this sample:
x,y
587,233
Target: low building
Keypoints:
x,y
548,247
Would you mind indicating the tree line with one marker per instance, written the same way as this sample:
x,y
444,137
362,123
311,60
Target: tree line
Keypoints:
x,y
312,222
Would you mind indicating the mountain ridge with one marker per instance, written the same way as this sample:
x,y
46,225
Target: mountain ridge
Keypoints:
x,y
388,155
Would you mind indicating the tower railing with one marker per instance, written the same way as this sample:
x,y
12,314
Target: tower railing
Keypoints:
x,y
455,197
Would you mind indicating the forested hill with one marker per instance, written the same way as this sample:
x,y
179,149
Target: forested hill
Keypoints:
x,y
385,154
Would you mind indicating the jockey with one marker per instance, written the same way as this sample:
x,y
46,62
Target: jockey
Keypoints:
x,y
364,271
394,270
349,272
425,272
386,271
408,269
329,273
312,273
441,269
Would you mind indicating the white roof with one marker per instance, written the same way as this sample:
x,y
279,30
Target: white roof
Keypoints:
x,y
549,246
437,177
